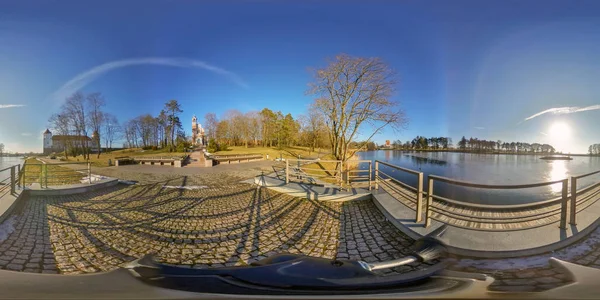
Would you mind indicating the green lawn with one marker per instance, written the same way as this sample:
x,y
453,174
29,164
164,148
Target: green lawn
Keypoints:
x,y
133,152
273,152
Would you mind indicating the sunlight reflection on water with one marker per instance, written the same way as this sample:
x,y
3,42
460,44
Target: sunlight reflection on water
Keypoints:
x,y
558,171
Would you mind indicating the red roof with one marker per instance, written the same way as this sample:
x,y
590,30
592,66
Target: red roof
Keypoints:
x,y
70,137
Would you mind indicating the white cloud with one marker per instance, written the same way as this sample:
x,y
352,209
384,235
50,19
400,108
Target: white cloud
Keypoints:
x,y
480,128
543,133
563,110
11,105
26,134
88,76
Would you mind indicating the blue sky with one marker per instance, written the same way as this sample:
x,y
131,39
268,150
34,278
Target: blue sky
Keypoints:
x,y
473,68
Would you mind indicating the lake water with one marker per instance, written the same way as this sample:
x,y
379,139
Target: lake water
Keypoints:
x,y
487,169
6,162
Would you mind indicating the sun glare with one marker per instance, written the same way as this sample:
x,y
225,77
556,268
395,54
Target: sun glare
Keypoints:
x,y
560,133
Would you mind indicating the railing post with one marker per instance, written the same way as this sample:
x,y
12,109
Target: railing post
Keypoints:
x,y
89,169
376,175
41,176
563,205
419,210
347,176
287,171
429,201
573,201
13,180
370,173
19,175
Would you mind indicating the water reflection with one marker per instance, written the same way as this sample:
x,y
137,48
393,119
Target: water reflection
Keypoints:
x,y
558,171
420,160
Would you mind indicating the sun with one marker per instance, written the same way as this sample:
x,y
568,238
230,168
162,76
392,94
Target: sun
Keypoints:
x,y
560,134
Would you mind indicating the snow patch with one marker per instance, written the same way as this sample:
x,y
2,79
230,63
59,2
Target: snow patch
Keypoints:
x,y
7,227
568,254
189,187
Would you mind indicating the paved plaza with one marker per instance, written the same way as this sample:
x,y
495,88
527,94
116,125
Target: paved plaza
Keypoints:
x,y
215,221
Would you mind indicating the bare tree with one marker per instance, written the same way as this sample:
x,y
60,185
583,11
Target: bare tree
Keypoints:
x,y
95,117
210,123
254,126
1,149
353,92
74,109
112,130
60,124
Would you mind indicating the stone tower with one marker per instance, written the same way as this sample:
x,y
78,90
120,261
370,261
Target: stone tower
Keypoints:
x,y
47,142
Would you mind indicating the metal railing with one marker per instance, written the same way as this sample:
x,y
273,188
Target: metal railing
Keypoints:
x,y
418,190
575,193
297,168
344,174
486,216
56,173
471,207
10,183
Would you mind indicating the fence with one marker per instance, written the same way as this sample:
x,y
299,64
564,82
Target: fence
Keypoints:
x,y
482,216
329,171
10,183
583,196
56,174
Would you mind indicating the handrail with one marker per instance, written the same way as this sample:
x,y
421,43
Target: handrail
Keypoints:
x,y
585,175
493,186
399,168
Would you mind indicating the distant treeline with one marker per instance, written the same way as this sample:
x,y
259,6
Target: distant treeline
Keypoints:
x,y
474,145
594,149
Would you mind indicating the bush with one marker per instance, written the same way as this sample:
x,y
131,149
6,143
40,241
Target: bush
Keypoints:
x,y
148,148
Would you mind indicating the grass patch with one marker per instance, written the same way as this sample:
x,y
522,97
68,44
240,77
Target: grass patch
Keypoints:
x,y
273,152
134,152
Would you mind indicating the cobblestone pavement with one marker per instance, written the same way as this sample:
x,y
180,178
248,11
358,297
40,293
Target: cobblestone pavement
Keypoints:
x,y
213,226
221,223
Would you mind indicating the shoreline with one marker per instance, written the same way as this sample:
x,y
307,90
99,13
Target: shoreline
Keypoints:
x,y
476,152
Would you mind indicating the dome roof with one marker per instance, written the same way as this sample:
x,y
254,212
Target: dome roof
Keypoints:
x,y
47,131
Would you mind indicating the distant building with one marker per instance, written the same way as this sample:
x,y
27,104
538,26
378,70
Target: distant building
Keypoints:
x,y
388,144
60,143
198,138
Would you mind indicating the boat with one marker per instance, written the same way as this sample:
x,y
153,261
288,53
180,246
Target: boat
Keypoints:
x,y
556,158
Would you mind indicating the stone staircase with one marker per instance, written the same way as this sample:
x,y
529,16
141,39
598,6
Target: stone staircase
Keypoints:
x,y
196,159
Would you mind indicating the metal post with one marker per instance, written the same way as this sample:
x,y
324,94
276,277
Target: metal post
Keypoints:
x,y
563,205
13,180
376,175
89,169
573,201
41,176
347,176
370,173
19,176
287,171
46,175
429,202
419,210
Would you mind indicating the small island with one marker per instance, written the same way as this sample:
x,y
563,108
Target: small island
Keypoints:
x,y
556,158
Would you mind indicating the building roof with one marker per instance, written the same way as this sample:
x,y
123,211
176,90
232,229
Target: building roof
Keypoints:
x,y
70,137
47,131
